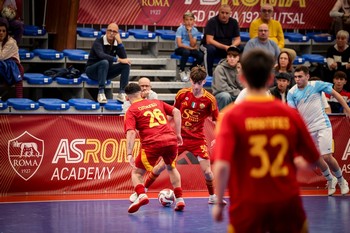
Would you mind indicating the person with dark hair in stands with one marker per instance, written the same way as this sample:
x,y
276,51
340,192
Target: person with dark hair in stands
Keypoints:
x,y
285,65
281,89
11,70
10,14
107,60
221,32
339,80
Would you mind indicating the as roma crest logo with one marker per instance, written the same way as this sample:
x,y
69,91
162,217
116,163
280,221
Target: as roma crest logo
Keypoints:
x,y
155,10
25,154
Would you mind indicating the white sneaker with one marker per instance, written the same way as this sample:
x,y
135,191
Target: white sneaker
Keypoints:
x,y
184,77
344,187
101,98
213,200
133,197
121,97
179,204
141,200
331,186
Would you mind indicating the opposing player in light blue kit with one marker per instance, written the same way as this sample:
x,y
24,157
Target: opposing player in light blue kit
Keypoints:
x,y
306,97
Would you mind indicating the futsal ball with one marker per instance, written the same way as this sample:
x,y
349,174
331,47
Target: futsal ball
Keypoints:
x,y
8,12
166,197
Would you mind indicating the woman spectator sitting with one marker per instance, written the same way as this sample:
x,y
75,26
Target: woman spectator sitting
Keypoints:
x,y
11,71
285,65
338,57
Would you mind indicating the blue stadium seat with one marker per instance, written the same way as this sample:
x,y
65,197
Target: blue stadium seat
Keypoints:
x,y
113,105
321,37
88,32
25,54
178,57
166,34
209,81
31,30
298,60
76,54
296,37
48,54
244,36
3,105
23,104
89,81
84,104
69,81
123,34
37,79
53,104
200,36
316,58
142,34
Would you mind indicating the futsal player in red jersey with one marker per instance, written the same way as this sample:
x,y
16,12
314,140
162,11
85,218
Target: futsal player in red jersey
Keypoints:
x,y
158,139
256,143
195,104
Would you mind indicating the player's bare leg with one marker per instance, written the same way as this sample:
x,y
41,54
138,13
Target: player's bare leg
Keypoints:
x,y
142,198
175,180
335,168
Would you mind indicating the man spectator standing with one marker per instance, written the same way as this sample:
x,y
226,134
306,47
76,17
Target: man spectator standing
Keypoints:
x,y
108,59
226,85
263,42
221,32
275,28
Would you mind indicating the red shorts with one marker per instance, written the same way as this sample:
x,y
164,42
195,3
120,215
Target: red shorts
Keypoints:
x,y
196,147
149,156
287,216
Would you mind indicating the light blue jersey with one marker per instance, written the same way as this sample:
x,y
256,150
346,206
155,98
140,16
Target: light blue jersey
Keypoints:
x,y
182,33
308,102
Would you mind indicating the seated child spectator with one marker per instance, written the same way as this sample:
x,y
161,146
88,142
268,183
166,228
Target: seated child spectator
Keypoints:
x,y
186,45
339,80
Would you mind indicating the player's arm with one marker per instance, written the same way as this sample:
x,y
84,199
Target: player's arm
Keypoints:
x,y
341,101
221,170
130,140
177,120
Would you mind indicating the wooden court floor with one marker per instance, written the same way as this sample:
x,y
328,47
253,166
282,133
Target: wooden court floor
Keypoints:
x,y
108,213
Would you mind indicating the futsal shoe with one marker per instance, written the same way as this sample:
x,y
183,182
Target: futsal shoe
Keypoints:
x,y
213,200
133,196
344,187
179,204
331,186
141,200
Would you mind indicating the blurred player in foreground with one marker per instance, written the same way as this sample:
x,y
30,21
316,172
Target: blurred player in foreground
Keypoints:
x,y
256,142
158,139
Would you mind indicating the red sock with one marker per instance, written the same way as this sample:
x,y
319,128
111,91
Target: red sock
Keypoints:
x,y
178,192
150,179
139,189
210,186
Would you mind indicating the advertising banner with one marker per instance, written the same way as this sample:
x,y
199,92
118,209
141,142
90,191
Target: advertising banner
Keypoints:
x,y
75,154
299,14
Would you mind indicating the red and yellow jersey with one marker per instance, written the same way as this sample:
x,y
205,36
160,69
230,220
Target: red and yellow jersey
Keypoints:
x,y
194,111
149,117
260,137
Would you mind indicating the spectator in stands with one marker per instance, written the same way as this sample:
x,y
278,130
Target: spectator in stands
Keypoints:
x,y
280,91
339,80
221,32
10,15
338,57
275,28
341,16
226,85
107,60
285,65
146,92
263,41
186,45
11,70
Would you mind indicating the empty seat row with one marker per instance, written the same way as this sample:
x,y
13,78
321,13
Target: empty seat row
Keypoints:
x,y
52,54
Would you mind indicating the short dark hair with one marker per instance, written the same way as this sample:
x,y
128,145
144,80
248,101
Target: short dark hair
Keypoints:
x,y
132,88
302,68
198,74
257,65
340,74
